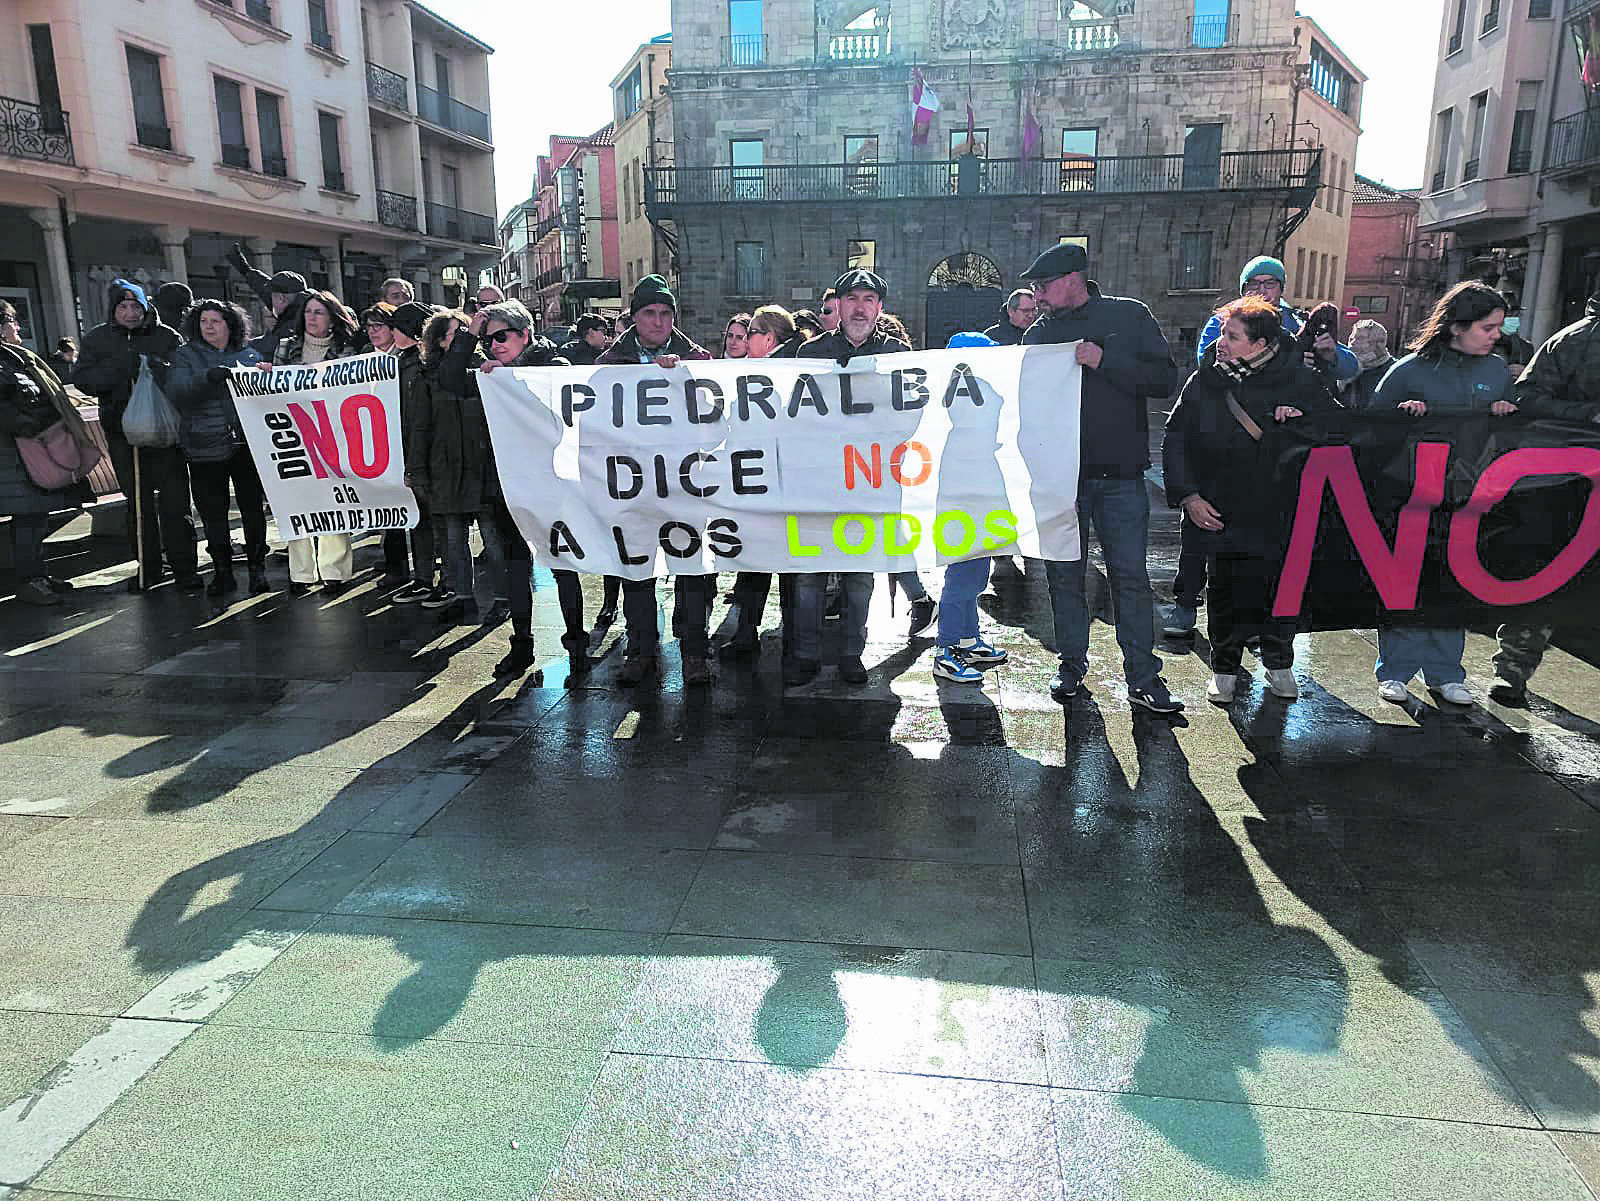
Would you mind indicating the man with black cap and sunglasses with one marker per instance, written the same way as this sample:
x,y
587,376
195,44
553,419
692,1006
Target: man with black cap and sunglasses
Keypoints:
x,y
653,339
1125,359
860,295
283,292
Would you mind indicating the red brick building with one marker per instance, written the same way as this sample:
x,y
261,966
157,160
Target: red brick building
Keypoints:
x,y
576,255
1392,274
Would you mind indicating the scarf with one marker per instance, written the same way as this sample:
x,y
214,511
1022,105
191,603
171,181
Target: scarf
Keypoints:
x,y
1239,370
315,350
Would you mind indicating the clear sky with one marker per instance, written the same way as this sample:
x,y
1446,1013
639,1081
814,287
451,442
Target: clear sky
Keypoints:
x,y
550,73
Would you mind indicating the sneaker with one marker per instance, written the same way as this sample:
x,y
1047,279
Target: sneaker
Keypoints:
x,y
1220,690
1454,692
518,661
696,671
852,670
1154,697
1180,622
411,594
979,653
1281,683
1508,691
37,591
950,664
798,672
1065,686
1394,691
923,611
440,598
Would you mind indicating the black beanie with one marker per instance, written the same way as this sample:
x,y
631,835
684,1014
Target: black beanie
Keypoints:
x,y
652,289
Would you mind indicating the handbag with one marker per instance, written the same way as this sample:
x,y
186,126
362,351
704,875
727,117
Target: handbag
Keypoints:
x,y
56,458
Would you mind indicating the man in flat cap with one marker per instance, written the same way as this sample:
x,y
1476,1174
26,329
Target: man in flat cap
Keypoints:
x,y
860,295
1125,359
283,292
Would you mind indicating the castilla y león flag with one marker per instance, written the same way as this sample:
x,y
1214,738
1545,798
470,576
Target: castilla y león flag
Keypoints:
x,y
924,104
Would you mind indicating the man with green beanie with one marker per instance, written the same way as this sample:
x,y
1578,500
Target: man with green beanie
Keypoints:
x,y
652,339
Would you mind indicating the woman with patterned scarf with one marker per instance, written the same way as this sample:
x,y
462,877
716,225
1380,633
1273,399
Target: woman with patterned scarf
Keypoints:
x,y
1217,474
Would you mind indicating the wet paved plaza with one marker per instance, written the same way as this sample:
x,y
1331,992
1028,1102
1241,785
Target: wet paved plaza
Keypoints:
x,y
296,902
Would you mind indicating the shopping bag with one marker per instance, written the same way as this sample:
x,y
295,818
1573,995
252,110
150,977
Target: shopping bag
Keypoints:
x,y
150,419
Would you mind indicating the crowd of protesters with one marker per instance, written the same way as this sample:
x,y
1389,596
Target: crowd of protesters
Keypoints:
x,y
1258,361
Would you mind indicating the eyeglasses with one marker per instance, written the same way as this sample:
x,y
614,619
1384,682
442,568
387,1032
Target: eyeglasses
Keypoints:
x,y
503,335
1262,281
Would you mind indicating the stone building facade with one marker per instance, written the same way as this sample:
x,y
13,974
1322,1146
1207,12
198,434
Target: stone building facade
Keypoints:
x,y
1159,133
347,140
642,113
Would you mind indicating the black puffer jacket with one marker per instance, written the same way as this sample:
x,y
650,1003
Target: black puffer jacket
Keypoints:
x,y
1207,452
837,347
449,459
108,362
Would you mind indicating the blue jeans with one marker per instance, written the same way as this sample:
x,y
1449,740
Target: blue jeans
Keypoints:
x,y
458,571
809,589
1402,653
1120,512
911,584
958,600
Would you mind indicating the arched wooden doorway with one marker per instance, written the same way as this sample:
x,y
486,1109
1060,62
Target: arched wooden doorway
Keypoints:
x,y
964,293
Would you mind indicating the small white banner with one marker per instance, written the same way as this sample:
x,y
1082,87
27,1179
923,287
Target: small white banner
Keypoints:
x,y
895,462
326,440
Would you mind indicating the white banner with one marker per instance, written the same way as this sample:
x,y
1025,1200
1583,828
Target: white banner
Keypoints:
x,y
894,462
326,441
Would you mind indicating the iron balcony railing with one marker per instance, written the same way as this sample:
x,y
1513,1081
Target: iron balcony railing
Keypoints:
x,y
1211,32
447,111
546,278
744,50
1238,171
460,226
1577,9
34,131
1574,143
386,87
397,210
549,225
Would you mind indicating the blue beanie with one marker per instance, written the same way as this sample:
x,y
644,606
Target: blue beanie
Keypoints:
x,y
1263,264
969,339
127,285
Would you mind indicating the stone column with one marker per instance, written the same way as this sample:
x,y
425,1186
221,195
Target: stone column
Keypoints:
x,y
260,252
1530,282
173,255
421,277
60,310
1546,315
335,263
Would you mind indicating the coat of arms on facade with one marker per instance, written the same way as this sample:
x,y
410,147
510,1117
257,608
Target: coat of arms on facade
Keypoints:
x,y
976,24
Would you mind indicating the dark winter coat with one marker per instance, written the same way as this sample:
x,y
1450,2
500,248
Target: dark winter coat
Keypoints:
x,y
790,347
1136,363
458,367
1563,380
108,362
627,352
837,347
579,353
1364,388
1207,452
29,396
449,459
1004,333
209,429
1447,381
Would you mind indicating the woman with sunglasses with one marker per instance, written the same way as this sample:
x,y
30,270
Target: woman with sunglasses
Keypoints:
x,y
501,335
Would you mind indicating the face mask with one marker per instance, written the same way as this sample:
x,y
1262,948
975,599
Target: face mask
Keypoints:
x,y
1512,324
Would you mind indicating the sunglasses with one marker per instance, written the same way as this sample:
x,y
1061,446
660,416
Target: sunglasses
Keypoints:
x,y
504,335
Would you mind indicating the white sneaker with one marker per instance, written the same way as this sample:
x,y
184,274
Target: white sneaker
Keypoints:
x,y
1394,691
1220,690
1281,682
1455,693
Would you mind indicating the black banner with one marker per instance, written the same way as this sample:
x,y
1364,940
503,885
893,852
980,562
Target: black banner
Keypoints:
x,y
1389,519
